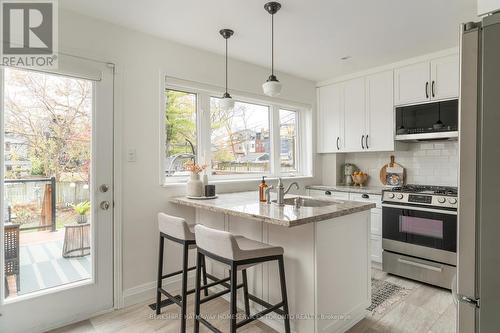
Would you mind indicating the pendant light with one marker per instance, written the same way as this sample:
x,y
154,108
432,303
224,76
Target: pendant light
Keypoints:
x,y
272,87
226,102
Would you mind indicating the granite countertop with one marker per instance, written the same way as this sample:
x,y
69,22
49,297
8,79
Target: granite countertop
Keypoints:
x,y
246,205
352,189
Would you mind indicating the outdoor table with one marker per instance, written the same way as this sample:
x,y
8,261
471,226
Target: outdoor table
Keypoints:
x,y
76,240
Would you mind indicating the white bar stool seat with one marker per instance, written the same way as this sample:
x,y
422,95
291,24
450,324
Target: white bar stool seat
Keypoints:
x,y
177,230
239,253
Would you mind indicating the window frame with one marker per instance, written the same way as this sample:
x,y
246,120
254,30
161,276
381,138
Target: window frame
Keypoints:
x,y
203,94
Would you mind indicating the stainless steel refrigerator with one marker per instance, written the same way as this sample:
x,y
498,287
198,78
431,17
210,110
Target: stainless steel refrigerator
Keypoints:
x,y
478,277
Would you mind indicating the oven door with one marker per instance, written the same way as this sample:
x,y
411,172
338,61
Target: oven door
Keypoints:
x,y
420,226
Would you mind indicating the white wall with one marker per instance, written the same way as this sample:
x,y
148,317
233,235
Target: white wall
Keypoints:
x,y
426,163
140,58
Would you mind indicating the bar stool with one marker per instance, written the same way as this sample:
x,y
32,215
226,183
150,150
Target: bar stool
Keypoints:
x,y
177,230
238,253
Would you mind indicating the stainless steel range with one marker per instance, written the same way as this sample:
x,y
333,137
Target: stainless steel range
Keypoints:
x,y
419,233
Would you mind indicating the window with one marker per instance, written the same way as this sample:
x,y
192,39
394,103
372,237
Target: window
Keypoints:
x,y
180,130
288,141
257,137
240,139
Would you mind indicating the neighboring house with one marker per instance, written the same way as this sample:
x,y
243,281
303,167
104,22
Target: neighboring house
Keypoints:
x,y
287,134
254,158
16,154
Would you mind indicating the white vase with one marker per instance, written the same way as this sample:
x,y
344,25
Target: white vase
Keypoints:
x,y
194,186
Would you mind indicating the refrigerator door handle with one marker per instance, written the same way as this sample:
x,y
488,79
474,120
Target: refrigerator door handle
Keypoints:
x,y
470,301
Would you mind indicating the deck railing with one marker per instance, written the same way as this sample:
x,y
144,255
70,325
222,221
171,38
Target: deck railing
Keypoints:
x,y
48,204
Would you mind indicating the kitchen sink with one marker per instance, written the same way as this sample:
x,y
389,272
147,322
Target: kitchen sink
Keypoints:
x,y
307,202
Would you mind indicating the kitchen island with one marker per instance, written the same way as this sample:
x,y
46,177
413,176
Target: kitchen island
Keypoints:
x,y
327,255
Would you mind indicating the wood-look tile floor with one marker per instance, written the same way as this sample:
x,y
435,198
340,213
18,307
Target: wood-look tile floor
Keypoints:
x,y
426,309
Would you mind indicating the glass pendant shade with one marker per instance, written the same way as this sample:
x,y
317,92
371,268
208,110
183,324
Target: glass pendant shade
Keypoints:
x,y
226,102
272,87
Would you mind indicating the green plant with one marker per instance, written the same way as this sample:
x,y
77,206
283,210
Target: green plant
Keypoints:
x,y
82,208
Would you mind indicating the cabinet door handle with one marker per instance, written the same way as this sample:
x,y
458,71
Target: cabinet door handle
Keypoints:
x,y
366,141
338,147
328,193
427,89
362,143
365,196
432,88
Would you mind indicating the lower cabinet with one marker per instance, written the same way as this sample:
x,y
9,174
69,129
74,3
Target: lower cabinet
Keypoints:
x,y
376,246
376,215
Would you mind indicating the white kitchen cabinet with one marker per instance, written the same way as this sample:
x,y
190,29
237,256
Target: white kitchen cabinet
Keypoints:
x,y
487,6
330,118
375,220
432,80
445,77
379,112
354,114
376,228
376,248
357,115
375,214
411,83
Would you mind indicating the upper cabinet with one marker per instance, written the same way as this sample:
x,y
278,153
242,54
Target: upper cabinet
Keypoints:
x,y
380,112
354,115
330,118
357,115
425,81
445,80
487,6
411,83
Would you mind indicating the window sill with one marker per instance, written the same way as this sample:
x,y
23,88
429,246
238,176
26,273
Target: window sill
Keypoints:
x,y
241,180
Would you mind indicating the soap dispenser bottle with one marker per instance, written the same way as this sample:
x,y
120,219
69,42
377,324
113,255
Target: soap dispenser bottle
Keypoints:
x,y
262,190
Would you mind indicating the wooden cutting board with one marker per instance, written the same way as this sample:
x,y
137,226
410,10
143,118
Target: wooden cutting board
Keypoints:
x,y
392,174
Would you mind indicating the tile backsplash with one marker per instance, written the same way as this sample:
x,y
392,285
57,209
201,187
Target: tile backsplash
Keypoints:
x,y
426,163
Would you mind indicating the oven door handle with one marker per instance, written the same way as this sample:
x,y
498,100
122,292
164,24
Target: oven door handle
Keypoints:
x,y
420,265
422,209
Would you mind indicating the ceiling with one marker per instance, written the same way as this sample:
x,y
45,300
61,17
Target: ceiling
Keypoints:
x,y
311,36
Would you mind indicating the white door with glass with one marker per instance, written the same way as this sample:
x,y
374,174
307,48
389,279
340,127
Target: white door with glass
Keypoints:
x,y
56,195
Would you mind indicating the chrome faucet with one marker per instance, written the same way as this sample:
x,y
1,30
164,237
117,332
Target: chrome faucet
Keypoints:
x,y
282,192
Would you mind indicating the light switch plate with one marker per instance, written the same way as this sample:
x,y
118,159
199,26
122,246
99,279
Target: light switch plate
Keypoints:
x,y
131,155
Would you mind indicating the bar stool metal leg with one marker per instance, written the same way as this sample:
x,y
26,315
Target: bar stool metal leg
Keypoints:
x,y
284,297
199,259
233,311
245,293
160,274
205,274
184,288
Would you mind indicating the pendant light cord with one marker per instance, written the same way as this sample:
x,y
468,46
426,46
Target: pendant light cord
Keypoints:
x,y
226,65
272,44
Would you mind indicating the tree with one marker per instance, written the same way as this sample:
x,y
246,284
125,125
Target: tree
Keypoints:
x,y
180,122
53,115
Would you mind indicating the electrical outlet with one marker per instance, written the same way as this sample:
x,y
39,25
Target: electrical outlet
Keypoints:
x,y
131,155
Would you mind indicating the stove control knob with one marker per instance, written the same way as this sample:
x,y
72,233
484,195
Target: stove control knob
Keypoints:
x,y
400,196
453,201
442,200
391,195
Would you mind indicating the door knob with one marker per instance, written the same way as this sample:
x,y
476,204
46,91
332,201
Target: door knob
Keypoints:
x,y
104,205
103,188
